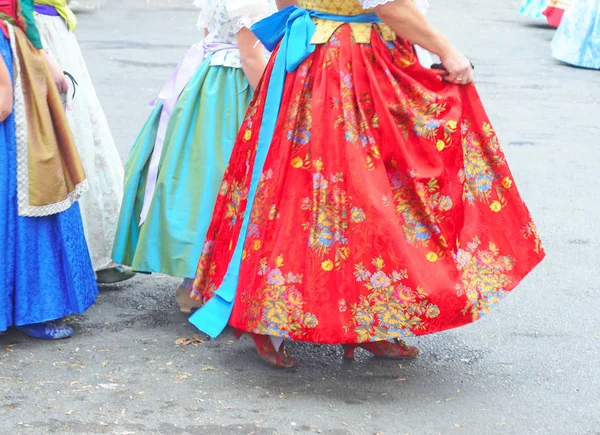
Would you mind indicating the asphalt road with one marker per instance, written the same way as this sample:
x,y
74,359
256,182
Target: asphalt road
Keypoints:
x,y
530,367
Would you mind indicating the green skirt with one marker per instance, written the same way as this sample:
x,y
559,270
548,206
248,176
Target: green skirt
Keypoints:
x,y
196,150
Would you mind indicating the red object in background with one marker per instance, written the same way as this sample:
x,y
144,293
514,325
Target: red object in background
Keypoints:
x,y
554,16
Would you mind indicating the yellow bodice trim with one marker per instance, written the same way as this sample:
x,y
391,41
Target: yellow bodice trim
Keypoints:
x,y
63,10
326,28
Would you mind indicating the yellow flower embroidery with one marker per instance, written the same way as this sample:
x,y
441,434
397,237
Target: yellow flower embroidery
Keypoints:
x,y
451,125
247,135
257,245
433,257
392,309
272,212
507,183
297,162
440,145
327,265
357,215
496,206
310,320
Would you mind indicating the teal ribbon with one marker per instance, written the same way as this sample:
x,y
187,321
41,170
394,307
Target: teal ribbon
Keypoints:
x,y
294,28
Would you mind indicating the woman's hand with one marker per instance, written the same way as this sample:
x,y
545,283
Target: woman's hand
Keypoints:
x,y
408,22
58,76
458,67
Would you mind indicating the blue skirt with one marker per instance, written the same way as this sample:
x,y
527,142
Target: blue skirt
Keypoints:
x,y
46,272
577,40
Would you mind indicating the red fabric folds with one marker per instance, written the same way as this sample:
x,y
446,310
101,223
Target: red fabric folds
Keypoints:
x,y
385,209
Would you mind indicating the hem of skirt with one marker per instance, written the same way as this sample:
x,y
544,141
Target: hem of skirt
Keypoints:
x,y
52,318
412,335
28,210
107,264
575,63
146,269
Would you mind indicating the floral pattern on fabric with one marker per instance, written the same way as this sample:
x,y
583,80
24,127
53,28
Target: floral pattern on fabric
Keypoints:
x,y
391,309
379,178
483,160
577,40
485,277
282,314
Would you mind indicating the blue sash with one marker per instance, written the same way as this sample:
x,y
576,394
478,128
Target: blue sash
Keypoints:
x,y
295,28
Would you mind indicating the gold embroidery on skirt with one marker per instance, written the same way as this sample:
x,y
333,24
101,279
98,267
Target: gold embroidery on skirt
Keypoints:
x,y
326,28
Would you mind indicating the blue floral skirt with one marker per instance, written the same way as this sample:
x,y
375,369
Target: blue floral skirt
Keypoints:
x,y
46,271
577,40
534,8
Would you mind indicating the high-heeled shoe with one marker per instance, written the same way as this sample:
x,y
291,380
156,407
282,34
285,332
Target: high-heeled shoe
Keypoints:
x,y
46,331
383,349
266,351
186,303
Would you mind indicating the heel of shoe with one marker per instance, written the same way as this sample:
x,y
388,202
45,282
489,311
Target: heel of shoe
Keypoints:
x,y
267,352
349,351
185,302
184,307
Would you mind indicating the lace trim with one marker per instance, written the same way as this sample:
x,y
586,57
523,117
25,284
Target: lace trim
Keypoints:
x,y
25,209
370,4
246,22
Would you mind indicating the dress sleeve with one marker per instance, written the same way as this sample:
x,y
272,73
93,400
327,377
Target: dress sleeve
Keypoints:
x,y
370,4
423,6
207,10
245,13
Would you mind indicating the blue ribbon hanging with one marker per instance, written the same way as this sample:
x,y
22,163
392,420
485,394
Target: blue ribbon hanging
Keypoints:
x,y
294,27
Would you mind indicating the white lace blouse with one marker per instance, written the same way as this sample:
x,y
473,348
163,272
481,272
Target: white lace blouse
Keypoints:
x,y
223,19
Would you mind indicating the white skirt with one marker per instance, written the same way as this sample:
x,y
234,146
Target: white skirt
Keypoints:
x,y
101,203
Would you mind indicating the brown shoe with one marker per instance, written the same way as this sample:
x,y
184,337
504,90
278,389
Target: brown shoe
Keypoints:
x,y
186,303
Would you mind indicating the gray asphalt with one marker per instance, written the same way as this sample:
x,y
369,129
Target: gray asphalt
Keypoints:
x,y
530,367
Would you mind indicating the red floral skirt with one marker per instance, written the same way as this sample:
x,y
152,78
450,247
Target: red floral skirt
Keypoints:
x,y
385,208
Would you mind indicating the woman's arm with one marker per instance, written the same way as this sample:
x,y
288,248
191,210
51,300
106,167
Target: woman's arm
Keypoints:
x,y
282,4
6,92
57,74
407,22
252,54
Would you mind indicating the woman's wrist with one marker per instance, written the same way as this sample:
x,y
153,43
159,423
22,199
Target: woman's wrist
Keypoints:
x,y
442,46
